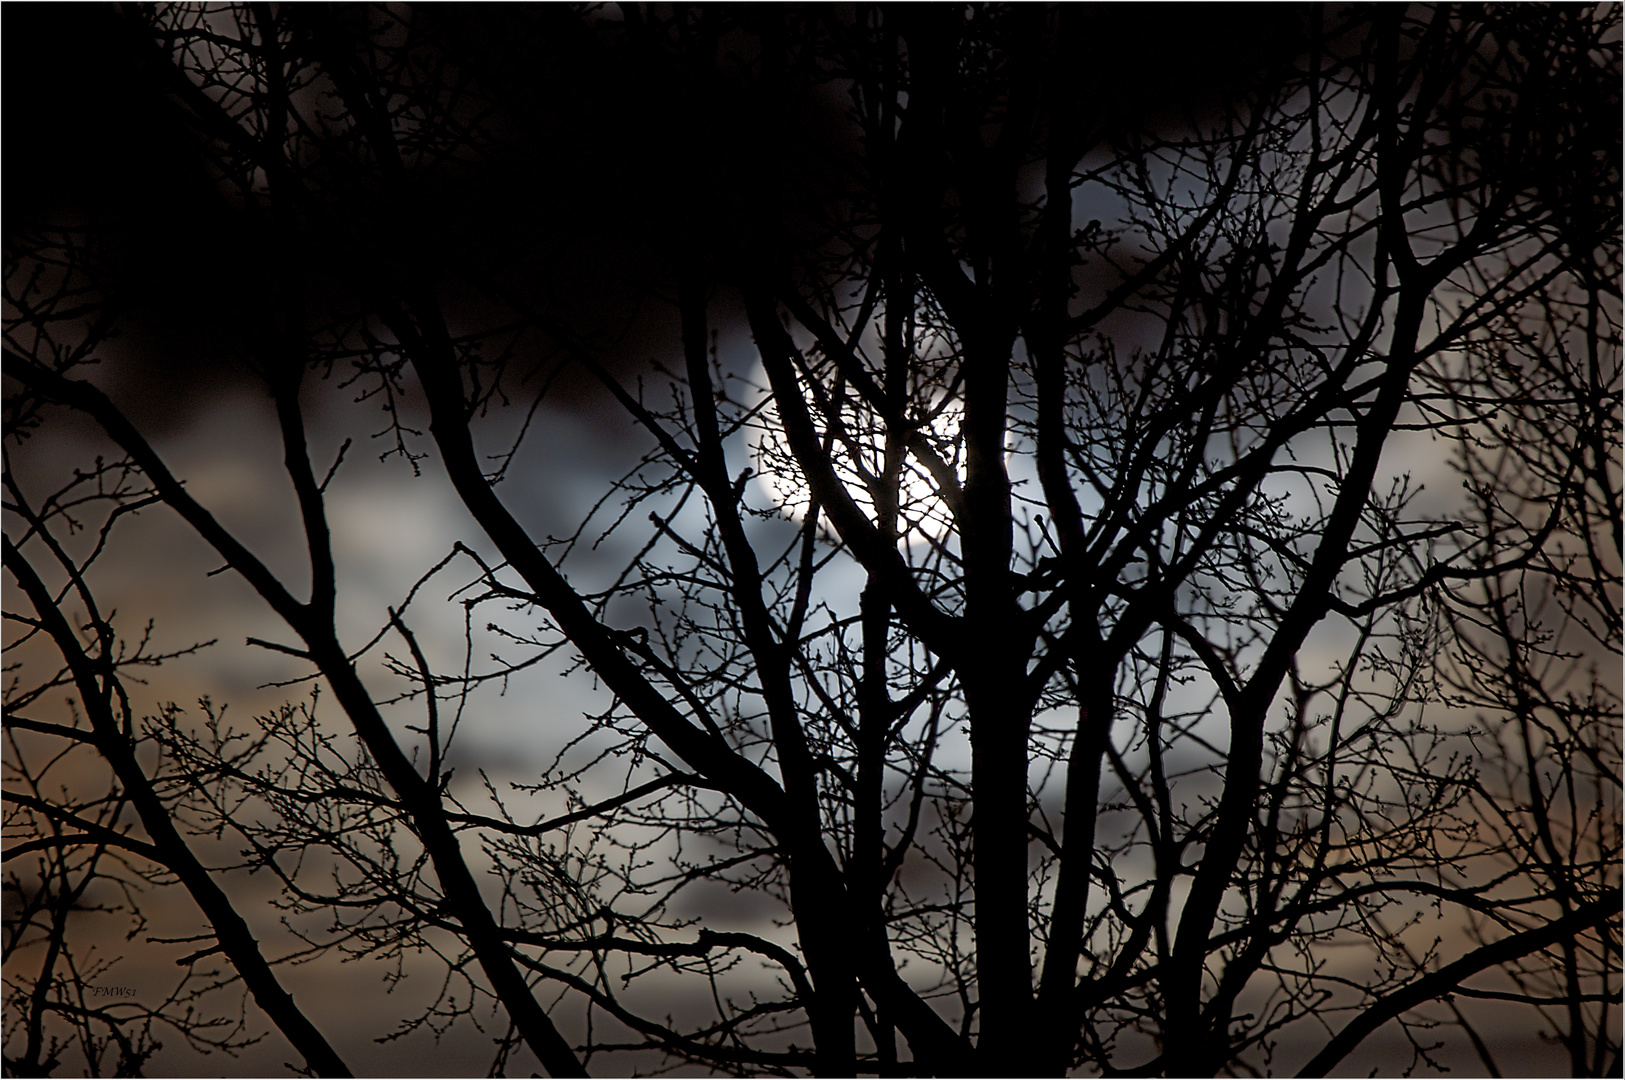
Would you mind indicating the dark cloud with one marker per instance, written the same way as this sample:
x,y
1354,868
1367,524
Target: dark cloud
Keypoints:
x,y
608,169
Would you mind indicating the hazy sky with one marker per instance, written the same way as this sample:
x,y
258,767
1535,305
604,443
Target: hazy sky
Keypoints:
x,y
571,210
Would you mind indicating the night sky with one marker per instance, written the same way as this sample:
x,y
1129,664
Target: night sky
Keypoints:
x,y
596,193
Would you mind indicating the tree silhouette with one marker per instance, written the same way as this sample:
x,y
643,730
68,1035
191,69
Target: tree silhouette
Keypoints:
x,y
1032,592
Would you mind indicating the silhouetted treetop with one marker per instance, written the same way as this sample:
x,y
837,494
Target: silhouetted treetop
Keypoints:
x,y
1078,539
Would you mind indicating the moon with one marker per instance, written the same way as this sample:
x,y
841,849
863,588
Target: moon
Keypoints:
x,y
923,515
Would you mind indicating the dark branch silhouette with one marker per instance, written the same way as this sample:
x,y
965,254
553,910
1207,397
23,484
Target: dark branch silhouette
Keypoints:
x,y
1028,588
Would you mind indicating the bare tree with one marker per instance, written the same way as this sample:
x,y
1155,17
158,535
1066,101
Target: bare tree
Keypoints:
x,y
1029,596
